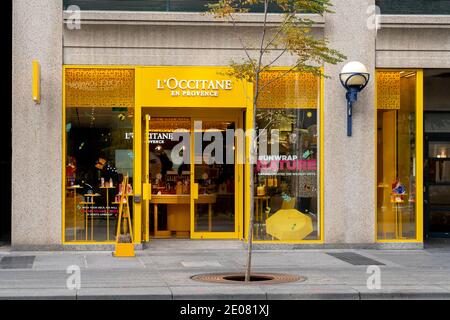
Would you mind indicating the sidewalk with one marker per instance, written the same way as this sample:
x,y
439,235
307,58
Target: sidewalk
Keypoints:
x,y
163,271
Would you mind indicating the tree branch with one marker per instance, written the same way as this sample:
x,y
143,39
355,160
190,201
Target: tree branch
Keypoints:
x,y
274,60
280,28
233,21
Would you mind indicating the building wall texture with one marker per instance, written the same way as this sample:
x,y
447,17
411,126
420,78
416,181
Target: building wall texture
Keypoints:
x,y
349,161
413,41
37,135
169,45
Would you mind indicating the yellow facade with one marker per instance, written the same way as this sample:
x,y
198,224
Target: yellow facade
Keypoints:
x,y
198,93
197,87
399,151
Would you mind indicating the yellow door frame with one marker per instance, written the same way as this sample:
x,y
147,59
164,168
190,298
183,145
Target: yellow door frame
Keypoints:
x,y
197,114
419,157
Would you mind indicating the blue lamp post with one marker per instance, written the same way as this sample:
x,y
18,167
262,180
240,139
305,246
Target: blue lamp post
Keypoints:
x,y
354,77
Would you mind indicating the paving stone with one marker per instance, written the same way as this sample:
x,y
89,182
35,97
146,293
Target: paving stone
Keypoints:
x,y
59,262
201,264
110,262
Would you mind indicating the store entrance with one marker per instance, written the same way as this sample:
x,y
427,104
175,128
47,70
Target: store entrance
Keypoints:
x,y
190,171
437,185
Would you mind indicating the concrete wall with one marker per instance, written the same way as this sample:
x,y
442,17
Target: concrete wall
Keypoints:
x,y
413,41
36,158
149,39
349,161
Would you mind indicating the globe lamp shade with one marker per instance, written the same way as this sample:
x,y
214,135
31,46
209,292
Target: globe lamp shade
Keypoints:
x,y
354,74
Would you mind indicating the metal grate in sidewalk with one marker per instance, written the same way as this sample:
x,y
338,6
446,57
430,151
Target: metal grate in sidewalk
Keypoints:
x,y
22,262
355,259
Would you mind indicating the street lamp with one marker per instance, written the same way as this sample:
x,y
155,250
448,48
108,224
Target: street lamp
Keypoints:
x,y
354,77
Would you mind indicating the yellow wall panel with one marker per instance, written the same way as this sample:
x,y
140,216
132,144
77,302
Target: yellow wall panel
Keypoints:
x,y
192,87
292,90
99,87
388,90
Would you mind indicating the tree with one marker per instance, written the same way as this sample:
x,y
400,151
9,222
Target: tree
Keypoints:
x,y
290,35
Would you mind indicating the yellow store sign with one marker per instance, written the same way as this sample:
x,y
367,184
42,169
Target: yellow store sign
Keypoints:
x,y
191,87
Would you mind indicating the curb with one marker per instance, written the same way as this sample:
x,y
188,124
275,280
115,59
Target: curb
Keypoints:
x,y
250,297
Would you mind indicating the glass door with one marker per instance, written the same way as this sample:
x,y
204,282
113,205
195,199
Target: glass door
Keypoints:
x,y
437,185
214,180
166,179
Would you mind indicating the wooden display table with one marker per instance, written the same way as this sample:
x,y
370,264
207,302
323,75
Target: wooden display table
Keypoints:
x,y
178,212
178,218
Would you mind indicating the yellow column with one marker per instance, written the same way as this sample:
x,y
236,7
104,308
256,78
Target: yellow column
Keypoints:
x,y
137,171
249,125
419,155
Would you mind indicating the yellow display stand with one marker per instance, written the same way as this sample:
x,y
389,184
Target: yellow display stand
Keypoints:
x,y
124,249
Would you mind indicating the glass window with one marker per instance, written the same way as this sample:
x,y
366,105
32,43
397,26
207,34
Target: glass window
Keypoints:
x,y
215,207
99,150
414,6
153,5
386,6
286,175
396,163
437,122
169,207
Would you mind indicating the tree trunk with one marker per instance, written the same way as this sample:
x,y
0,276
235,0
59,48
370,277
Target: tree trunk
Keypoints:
x,y
253,150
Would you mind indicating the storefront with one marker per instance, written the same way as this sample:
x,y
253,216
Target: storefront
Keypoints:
x,y
181,135
136,91
399,142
